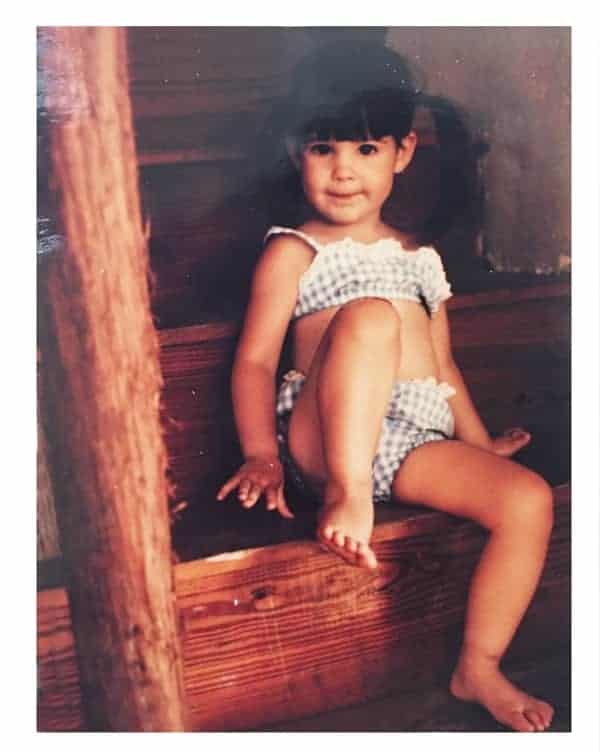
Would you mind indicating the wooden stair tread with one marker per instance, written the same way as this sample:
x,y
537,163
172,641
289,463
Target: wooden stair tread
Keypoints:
x,y
262,530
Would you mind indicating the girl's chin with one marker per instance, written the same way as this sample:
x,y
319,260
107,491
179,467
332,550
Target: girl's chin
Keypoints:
x,y
342,212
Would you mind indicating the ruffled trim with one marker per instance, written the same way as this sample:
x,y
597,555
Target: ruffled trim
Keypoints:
x,y
294,375
436,288
445,390
277,230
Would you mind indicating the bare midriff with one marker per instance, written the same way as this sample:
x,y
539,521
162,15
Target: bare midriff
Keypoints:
x,y
417,359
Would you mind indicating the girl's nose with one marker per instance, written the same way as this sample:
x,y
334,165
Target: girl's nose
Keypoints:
x,y
342,172
342,166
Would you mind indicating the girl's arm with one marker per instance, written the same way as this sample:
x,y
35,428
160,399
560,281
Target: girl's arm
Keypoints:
x,y
272,300
468,425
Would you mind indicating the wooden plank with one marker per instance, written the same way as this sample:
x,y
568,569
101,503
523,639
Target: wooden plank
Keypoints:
x,y
204,94
59,692
510,296
182,71
221,137
198,333
48,543
286,631
505,297
517,320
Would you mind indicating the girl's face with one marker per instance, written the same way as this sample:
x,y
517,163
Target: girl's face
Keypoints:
x,y
347,182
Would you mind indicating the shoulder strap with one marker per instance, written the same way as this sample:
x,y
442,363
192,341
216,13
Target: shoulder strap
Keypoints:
x,y
276,230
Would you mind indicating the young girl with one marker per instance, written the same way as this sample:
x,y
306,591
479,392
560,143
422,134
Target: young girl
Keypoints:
x,y
376,407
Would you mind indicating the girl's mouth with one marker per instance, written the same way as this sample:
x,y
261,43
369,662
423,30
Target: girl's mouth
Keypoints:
x,y
342,196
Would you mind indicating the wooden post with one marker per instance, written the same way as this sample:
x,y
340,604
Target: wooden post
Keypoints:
x,y
101,393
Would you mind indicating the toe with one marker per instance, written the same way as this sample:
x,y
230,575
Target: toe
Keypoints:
x,y
351,545
520,722
547,712
366,557
535,719
338,538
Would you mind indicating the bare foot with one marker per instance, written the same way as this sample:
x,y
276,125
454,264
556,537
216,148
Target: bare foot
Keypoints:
x,y
345,528
510,442
506,702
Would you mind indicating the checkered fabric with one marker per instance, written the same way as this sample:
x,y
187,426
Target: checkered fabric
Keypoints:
x,y
418,412
345,270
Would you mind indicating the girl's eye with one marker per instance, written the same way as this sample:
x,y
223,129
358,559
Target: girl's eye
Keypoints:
x,y
320,149
367,149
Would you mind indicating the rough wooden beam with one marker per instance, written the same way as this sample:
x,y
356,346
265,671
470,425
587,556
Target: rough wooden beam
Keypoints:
x,y
99,362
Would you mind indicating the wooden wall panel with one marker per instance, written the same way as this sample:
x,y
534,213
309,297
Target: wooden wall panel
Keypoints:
x,y
514,83
207,225
196,408
515,356
202,99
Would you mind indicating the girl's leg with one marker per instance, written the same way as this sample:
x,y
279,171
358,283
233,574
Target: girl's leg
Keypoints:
x,y
515,505
335,424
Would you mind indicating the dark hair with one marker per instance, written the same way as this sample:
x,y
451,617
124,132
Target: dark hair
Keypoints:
x,y
350,90
346,90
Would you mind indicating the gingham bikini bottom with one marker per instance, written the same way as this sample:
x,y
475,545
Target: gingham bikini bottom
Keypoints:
x,y
418,412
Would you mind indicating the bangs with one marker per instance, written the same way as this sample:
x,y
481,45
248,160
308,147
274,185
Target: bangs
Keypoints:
x,y
367,117
355,126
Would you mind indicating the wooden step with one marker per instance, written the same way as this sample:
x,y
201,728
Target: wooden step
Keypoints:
x,y
434,709
287,631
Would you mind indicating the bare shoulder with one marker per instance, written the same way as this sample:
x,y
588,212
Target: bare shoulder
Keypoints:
x,y
273,296
289,245
285,253
408,240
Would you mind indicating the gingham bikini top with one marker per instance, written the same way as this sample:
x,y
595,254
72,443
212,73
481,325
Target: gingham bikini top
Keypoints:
x,y
344,270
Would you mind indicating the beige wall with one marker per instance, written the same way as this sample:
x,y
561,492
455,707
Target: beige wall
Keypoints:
x,y
514,82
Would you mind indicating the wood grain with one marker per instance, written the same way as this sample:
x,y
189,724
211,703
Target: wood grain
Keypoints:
x,y
48,544
286,631
59,705
101,374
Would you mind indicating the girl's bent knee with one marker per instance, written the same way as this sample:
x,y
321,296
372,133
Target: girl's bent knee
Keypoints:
x,y
530,504
373,319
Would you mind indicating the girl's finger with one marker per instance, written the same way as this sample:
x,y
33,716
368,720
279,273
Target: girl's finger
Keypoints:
x,y
253,495
516,433
272,501
244,488
226,488
282,506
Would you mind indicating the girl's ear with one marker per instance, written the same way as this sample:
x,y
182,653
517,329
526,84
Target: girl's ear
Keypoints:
x,y
406,149
293,151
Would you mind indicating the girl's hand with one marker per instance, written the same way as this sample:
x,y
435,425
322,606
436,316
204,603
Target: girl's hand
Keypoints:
x,y
510,442
258,476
